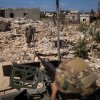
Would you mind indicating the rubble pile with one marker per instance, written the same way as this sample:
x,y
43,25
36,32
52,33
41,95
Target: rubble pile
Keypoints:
x,y
14,49
13,45
4,26
44,46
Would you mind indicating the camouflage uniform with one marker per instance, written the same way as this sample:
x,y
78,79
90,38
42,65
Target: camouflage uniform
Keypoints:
x,y
75,76
29,34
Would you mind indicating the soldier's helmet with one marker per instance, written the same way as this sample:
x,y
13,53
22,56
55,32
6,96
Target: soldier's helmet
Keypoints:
x,y
30,26
74,75
26,28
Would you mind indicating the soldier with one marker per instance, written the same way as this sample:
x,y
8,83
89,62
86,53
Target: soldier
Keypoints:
x,y
29,34
74,76
26,35
32,31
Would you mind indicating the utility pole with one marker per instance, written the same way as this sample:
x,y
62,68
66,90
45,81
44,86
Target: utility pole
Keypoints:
x,y
58,32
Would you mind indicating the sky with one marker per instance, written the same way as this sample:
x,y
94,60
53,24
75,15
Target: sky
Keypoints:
x,y
50,5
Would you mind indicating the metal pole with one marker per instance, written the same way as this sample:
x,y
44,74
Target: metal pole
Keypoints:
x,y
58,33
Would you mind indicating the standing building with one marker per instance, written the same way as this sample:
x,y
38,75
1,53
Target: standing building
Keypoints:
x,y
30,13
85,18
73,16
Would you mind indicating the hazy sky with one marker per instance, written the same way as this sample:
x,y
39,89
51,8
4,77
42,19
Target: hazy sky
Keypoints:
x,y
85,5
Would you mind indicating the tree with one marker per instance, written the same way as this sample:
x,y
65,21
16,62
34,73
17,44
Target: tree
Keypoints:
x,y
92,13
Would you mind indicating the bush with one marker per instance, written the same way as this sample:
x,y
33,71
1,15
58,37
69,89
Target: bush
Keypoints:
x,y
81,49
97,37
91,32
83,27
97,54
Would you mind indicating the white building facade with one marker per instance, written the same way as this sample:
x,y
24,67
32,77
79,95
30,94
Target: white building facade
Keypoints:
x,y
85,18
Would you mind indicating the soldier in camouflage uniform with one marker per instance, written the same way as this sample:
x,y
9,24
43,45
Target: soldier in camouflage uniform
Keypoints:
x,y
29,34
74,76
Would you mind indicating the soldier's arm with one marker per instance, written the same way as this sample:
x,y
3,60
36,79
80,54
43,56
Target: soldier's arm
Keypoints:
x,y
54,91
34,30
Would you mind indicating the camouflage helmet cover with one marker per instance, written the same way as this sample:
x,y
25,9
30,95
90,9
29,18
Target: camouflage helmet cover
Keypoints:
x,y
72,73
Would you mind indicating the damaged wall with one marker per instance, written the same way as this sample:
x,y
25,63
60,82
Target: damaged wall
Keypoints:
x,y
30,13
85,18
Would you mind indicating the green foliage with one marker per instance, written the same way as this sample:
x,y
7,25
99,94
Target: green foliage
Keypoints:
x,y
97,24
91,31
92,13
62,17
83,27
97,54
97,37
42,15
64,11
67,11
81,49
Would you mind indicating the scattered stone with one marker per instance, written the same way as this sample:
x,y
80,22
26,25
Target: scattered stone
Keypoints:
x,y
13,45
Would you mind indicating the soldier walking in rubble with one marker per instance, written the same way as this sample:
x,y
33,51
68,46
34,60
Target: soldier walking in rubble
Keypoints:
x,y
29,34
74,76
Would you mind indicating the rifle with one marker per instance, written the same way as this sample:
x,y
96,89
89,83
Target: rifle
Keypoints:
x,y
49,67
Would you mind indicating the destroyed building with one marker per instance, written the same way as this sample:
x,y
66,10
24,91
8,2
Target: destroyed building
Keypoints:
x,y
85,18
73,16
30,13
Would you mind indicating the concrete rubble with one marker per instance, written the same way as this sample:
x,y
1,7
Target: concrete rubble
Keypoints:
x,y
4,25
13,47
13,44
